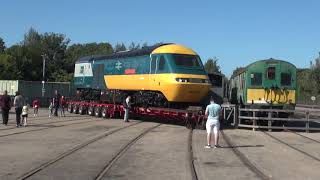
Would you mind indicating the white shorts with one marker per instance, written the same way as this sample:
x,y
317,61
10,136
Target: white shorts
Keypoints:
x,y
212,125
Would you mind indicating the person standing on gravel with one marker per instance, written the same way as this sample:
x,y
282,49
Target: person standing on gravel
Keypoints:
x,y
127,106
35,105
56,102
5,103
213,111
18,104
62,105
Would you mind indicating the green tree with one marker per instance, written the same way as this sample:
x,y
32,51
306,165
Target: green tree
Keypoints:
x,y
145,44
7,67
54,47
134,46
119,47
28,55
62,76
75,51
315,74
22,61
2,45
32,38
211,65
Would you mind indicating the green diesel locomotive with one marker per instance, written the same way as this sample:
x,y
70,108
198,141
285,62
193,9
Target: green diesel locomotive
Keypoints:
x,y
267,83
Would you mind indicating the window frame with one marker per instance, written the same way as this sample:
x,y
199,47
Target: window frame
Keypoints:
x,y
153,63
290,78
161,66
274,73
254,76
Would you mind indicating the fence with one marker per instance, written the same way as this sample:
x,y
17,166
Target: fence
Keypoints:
x,y
268,118
33,90
306,100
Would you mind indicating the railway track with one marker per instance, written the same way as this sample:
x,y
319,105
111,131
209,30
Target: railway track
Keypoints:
x,y
243,158
292,147
121,152
44,128
33,120
80,146
191,157
305,137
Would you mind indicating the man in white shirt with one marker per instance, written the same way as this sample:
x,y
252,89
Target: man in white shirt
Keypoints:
x,y
213,111
127,106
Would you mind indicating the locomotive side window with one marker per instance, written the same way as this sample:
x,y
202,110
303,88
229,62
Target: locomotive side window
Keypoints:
x,y
153,64
81,69
285,79
256,79
162,63
271,73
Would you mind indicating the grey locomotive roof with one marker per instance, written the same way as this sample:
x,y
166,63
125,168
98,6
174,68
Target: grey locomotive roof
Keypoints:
x,y
140,52
265,60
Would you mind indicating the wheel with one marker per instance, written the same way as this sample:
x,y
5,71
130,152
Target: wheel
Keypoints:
x,y
97,111
104,112
70,108
76,109
82,109
91,110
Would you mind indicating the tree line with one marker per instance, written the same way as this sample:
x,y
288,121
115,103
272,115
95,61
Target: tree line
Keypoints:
x,y
308,81
24,61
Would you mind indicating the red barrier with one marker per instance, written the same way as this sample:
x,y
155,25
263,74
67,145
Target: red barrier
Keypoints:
x,y
189,118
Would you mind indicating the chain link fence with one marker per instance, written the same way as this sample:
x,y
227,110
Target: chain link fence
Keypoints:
x,y
306,100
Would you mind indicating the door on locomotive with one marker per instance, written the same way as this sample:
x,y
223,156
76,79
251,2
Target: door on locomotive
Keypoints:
x,y
153,71
157,66
98,77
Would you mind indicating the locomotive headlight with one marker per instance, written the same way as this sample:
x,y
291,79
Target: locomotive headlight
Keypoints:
x,y
178,79
182,80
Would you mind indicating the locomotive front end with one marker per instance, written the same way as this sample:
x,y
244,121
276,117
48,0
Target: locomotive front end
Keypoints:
x,y
183,78
272,82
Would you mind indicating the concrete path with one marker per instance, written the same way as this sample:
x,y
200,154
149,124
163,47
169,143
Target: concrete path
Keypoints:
x,y
161,154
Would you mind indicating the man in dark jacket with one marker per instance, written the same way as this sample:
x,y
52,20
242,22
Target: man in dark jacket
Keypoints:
x,y
56,102
5,103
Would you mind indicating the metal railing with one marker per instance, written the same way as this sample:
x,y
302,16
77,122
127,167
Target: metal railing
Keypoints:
x,y
268,118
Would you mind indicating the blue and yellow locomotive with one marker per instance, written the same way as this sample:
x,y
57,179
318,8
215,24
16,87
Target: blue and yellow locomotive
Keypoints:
x,y
155,76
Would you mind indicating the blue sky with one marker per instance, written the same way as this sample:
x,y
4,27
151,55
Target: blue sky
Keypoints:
x,y
236,32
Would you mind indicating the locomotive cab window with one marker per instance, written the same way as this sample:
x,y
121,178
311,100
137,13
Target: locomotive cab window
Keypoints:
x,y
162,63
285,79
256,79
271,73
186,60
